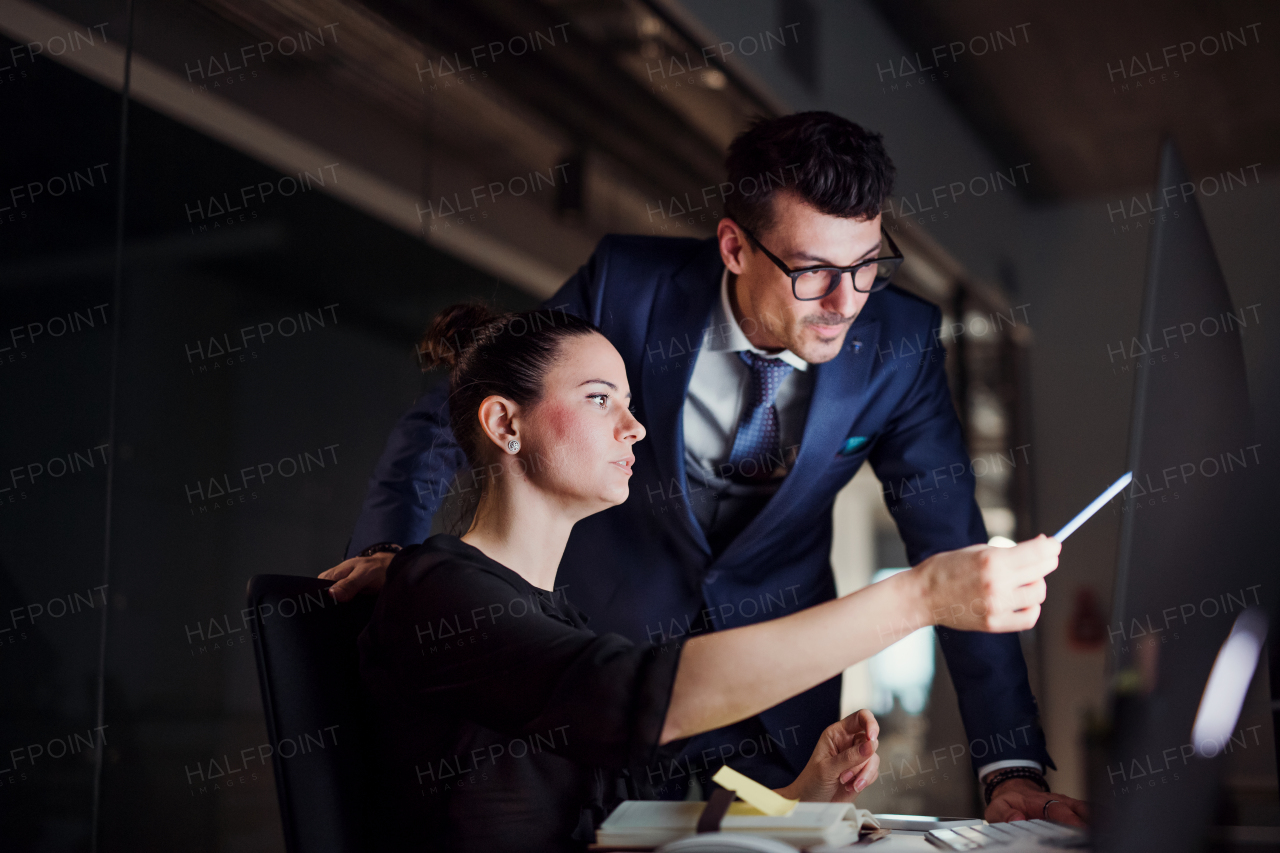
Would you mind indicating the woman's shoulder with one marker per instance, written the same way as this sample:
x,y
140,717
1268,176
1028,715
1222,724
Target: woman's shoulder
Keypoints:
x,y
445,582
446,563
445,589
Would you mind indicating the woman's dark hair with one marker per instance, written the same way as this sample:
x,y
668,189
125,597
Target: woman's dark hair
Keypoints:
x,y
487,353
835,165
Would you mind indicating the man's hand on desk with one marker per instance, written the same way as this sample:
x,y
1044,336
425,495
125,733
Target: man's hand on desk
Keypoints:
x,y
358,573
1022,799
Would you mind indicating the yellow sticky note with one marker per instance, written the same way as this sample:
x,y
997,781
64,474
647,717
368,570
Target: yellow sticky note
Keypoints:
x,y
740,809
768,801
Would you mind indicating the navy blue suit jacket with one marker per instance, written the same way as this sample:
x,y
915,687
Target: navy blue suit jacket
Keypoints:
x,y
644,569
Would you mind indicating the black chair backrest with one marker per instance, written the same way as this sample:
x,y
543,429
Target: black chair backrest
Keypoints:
x,y
317,720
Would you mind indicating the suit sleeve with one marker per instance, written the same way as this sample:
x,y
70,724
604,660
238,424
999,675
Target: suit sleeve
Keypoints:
x,y
412,476
923,465
420,458
928,481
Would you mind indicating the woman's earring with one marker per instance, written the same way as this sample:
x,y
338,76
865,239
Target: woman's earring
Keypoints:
x,y
513,446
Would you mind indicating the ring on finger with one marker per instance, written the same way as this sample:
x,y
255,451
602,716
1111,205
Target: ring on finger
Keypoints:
x,y
1045,810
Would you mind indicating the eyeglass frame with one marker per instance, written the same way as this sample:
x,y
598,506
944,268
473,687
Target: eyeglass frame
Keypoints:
x,y
877,283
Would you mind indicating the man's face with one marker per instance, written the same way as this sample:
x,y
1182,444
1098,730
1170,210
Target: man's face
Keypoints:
x,y
771,317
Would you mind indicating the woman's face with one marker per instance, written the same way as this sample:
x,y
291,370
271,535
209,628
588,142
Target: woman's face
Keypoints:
x,y
576,440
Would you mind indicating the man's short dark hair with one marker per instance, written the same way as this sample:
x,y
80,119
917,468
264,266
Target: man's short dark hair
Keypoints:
x,y
833,164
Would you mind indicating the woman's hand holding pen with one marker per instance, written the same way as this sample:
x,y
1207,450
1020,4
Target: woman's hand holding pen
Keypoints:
x,y
982,588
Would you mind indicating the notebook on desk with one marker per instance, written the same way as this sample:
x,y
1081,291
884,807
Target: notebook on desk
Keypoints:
x,y
650,823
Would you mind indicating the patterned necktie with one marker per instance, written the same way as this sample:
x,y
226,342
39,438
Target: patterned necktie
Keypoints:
x,y
757,437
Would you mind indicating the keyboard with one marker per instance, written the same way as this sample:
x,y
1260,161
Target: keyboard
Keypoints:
x,y
1024,832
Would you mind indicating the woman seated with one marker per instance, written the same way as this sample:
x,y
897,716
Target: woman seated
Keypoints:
x,y
504,721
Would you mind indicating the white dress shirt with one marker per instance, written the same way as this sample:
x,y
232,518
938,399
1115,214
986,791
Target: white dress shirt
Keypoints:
x,y
721,384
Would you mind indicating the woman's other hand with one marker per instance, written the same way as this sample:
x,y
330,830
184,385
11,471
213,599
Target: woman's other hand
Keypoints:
x,y
358,573
843,763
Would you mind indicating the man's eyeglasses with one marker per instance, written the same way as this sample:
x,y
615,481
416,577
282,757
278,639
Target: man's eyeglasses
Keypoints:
x,y
810,283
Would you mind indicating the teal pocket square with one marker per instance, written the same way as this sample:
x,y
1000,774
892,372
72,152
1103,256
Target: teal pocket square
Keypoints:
x,y
852,444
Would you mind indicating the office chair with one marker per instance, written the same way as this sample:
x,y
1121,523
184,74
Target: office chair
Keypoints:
x,y
317,722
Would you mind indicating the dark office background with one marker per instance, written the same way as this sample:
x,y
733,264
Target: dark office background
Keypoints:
x,y
133,263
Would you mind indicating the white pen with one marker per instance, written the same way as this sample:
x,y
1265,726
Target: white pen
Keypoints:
x,y
1097,504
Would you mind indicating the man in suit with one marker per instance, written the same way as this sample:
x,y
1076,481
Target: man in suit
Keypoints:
x,y
764,382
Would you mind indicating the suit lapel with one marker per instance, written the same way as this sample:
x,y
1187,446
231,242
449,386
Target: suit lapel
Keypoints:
x,y
839,391
676,331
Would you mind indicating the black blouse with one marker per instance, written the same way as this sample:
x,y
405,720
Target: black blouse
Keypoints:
x,y
498,712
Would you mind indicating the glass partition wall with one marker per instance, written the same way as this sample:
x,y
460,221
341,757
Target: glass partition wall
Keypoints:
x,y
213,288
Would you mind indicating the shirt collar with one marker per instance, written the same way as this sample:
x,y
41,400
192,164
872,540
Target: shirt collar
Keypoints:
x,y
727,336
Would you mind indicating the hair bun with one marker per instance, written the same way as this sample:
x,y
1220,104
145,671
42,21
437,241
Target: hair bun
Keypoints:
x,y
452,332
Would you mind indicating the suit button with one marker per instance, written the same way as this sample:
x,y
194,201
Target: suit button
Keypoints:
x,y
712,576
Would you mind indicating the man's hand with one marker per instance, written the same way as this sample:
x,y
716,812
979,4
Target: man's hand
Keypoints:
x,y
356,574
843,763
1022,799
981,588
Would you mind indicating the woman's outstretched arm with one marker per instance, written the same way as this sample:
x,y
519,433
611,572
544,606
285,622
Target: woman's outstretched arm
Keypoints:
x,y
731,675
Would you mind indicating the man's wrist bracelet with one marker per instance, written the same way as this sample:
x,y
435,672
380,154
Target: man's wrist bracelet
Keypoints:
x,y
999,777
379,548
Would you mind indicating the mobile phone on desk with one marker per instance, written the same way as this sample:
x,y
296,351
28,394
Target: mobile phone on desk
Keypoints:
x,y
923,823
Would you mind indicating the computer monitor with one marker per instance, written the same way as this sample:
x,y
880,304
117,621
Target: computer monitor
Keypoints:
x,y
1190,561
